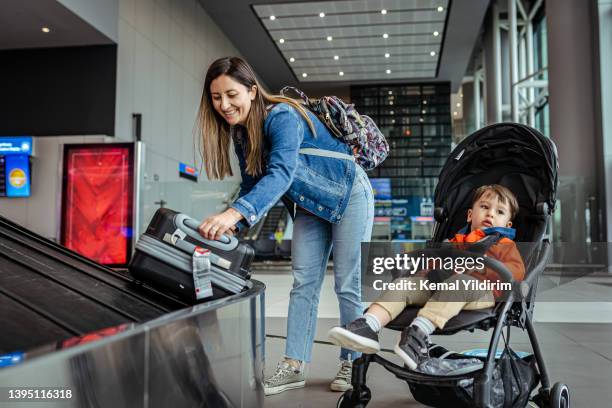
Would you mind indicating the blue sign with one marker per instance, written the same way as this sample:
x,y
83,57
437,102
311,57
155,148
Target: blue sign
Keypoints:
x,y
382,188
10,359
188,172
15,145
17,169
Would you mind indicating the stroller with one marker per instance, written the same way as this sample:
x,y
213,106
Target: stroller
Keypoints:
x,y
525,161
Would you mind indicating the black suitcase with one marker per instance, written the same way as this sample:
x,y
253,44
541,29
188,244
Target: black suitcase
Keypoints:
x,y
163,258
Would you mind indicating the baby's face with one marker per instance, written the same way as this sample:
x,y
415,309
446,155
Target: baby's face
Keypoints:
x,y
488,212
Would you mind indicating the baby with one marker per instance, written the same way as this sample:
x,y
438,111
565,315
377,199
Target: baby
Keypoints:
x,y
493,209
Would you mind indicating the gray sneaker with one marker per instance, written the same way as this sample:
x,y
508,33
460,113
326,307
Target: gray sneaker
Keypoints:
x,y
284,378
342,382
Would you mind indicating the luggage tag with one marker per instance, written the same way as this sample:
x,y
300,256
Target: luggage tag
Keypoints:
x,y
202,273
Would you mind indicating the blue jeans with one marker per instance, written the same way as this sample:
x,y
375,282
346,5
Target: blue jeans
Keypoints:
x,y
313,239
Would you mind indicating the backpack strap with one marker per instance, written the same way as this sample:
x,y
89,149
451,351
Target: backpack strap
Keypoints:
x,y
326,153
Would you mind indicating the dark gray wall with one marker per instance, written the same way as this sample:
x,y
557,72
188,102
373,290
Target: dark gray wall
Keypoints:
x,y
58,91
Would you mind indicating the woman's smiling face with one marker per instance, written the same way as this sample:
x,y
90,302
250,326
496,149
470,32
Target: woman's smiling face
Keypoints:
x,y
231,99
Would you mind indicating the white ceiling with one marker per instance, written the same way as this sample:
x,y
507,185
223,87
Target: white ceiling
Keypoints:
x,y
357,28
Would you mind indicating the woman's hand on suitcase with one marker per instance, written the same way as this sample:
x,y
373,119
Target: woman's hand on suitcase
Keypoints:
x,y
215,226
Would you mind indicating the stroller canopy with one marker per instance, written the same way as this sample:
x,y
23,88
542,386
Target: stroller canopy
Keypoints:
x,y
513,155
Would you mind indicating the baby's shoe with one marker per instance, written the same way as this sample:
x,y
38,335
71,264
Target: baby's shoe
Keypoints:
x,y
357,336
412,347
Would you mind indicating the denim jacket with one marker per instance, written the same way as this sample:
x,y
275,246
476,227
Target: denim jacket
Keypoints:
x,y
320,185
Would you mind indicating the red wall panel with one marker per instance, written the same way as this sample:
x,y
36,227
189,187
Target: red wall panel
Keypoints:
x,y
97,201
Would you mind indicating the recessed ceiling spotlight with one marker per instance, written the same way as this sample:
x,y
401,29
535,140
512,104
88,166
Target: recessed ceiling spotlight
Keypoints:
x,y
388,71
435,33
440,9
424,102
392,112
390,92
282,41
423,111
421,120
455,113
383,11
341,73
336,57
433,53
45,29
272,18
291,59
329,38
387,55
458,105
385,35
321,14
304,75
392,120
391,103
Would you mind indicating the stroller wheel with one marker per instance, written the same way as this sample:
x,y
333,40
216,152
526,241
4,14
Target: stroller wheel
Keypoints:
x,y
350,400
559,396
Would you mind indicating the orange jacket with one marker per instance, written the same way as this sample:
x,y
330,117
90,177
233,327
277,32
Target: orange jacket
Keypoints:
x,y
504,250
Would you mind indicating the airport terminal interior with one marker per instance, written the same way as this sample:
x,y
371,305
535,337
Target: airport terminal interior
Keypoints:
x,y
103,187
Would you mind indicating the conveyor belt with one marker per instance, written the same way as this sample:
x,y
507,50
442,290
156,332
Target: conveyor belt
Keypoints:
x,y
49,293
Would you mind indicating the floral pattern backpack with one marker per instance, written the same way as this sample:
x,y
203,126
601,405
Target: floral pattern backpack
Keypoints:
x,y
369,145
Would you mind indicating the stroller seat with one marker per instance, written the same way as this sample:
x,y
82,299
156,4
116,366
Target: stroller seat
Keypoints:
x,y
523,160
466,320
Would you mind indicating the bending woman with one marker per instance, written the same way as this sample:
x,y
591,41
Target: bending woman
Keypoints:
x,y
329,196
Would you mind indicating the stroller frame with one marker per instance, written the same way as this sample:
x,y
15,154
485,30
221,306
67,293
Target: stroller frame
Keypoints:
x,y
515,310
507,315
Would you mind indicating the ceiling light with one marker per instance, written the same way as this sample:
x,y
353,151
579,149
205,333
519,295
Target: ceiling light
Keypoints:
x,y
424,102
433,53
421,120
440,9
341,73
435,33
282,41
392,112
461,95
321,14
388,71
391,103
304,75
329,38
392,120
292,59
45,29
272,18
336,57
387,55
455,113
383,11
385,35
390,92
458,105
423,111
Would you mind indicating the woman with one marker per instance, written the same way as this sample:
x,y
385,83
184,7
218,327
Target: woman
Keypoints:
x,y
328,195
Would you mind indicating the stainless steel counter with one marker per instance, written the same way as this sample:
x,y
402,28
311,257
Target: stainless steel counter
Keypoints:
x,y
210,355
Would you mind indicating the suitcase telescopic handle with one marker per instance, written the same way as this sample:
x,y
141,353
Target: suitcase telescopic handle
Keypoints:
x,y
193,225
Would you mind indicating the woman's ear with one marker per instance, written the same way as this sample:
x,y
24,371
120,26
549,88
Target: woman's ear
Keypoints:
x,y
253,92
469,215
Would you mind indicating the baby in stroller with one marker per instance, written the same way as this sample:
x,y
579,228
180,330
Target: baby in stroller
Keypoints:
x,y
492,211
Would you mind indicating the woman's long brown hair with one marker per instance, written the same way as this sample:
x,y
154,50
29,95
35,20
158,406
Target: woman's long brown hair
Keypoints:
x,y
213,132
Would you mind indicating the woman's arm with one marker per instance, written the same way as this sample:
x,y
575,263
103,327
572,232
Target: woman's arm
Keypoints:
x,y
285,131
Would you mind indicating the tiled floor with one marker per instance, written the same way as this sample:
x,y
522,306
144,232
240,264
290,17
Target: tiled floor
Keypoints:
x,y
572,322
